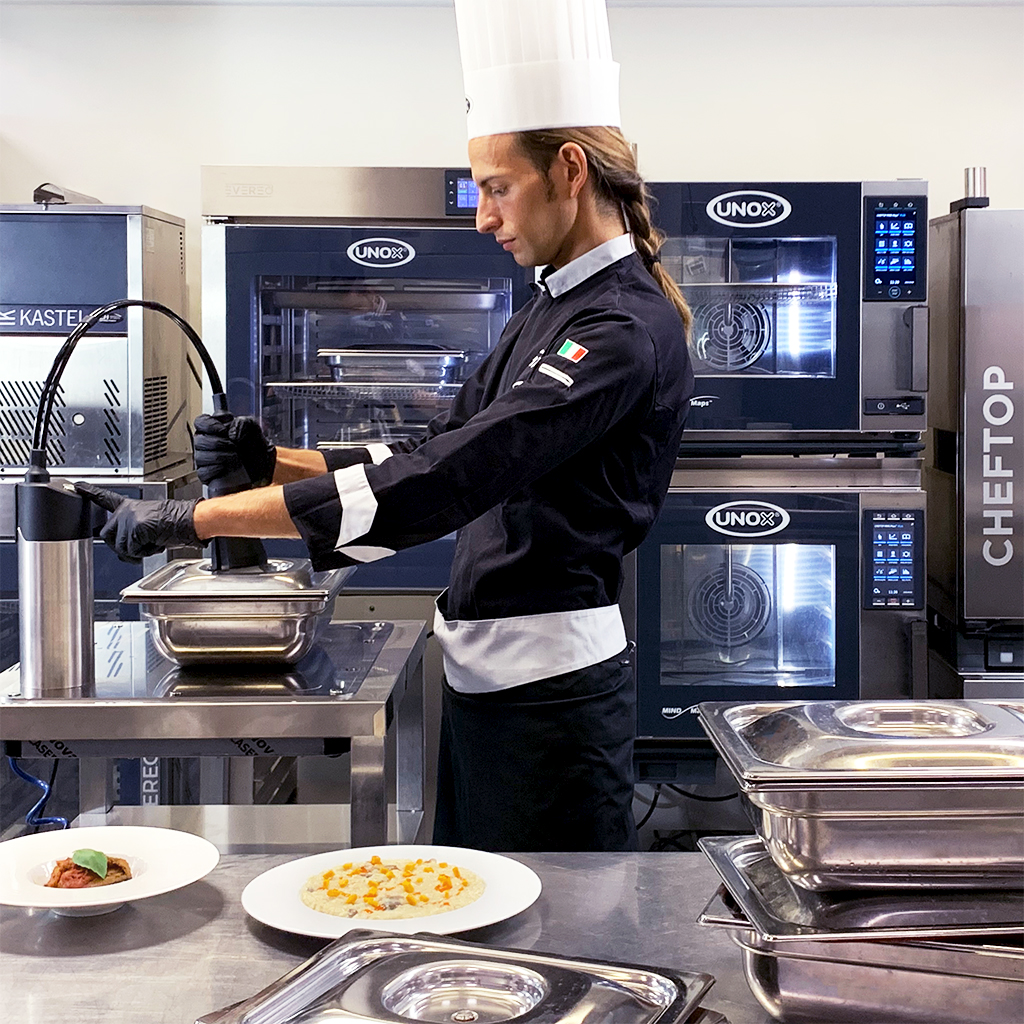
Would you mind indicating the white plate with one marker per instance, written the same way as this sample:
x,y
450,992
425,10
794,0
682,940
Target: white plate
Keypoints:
x,y
161,859
274,899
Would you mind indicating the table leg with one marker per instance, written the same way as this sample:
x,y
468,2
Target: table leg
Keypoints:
x,y
409,745
369,806
95,790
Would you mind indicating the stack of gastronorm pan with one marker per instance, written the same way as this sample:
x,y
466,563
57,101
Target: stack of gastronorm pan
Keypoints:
x,y
886,882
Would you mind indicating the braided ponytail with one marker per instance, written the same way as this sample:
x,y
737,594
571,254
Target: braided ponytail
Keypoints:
x,y
617,183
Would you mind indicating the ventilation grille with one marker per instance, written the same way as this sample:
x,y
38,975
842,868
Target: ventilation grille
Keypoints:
x,y
154,415
113,429
19,401
730,608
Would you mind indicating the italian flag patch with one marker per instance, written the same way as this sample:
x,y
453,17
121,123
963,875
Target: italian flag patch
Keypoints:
x,y
571,351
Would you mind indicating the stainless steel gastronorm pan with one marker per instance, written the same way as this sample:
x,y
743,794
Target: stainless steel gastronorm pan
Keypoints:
x,y
199,617
877,794
900,981
784,913
380,366
382,978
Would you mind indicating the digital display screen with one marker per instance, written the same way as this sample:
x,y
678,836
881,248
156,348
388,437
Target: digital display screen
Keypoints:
x,y
894,568
894,260
461,194
466,194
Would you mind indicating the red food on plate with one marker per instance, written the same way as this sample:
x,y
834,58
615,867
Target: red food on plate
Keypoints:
x,y
67,874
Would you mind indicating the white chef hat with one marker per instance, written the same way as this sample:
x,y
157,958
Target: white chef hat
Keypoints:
x,y
530,64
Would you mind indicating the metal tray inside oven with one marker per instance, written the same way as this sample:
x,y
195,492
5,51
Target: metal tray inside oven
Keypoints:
x,y
384,978
413,364
783,912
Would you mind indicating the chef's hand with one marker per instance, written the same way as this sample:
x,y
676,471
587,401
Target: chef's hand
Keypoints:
x,y
137,529
223,446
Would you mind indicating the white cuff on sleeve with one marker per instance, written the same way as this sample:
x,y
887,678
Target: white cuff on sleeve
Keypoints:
x,y
358,504
379,453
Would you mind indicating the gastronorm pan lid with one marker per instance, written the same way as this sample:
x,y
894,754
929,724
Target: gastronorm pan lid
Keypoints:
x,y
383,978
190,579
966,956
780,911
869,741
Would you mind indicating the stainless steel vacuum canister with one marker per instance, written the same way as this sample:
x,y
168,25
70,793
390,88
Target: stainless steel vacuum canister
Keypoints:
x,y
55,574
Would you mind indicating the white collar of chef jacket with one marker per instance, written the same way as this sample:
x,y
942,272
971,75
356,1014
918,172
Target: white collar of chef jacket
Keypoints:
x,y
558,282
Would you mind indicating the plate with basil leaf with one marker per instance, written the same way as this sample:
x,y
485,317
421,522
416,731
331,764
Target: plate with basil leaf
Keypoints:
x,y
83,871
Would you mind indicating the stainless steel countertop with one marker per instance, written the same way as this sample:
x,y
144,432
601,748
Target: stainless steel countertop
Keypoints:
x,y
136,711
174,957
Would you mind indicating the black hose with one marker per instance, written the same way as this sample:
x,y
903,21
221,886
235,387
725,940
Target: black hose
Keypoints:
x,y
49,393
33,817
706,799
650,810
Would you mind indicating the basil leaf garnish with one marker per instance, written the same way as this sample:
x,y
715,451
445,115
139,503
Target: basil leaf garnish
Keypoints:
x,y
91,859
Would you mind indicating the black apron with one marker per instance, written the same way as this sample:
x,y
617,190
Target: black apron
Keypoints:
x,y
542,767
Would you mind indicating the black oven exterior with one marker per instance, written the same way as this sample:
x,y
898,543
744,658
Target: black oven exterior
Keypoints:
x,y
780,582
810,316
347,305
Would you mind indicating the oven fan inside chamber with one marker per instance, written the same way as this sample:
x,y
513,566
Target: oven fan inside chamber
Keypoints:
x,y
731,335
729,612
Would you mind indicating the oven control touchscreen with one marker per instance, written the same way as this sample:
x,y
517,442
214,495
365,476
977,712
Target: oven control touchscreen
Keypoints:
x,y
894,260
894,558
460,194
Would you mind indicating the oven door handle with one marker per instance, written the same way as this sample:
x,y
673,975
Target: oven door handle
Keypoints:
x,y
916,319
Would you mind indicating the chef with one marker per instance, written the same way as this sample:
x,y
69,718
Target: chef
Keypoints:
x,y
552,462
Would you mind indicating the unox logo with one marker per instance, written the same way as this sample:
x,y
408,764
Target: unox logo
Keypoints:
x,y
748,209
747,518
381,252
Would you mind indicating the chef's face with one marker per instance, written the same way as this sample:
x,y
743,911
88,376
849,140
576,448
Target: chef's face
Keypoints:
x,y
529,213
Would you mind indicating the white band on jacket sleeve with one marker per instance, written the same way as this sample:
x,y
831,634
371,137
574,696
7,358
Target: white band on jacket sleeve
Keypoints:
x,y
379,453
358,504
364,553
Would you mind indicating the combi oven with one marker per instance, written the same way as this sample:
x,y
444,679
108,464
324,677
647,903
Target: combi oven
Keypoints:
x,y
810,322
767,578
348,305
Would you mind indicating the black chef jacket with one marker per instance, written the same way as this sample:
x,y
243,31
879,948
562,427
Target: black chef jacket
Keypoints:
x,y
552,462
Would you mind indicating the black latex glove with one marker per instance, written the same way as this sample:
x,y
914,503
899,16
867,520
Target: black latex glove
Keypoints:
x,y
224,445
137,529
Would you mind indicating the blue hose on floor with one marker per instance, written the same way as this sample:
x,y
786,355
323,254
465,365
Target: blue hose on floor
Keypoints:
x,y
32,817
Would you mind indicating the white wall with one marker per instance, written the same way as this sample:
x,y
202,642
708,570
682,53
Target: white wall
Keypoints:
x,y
127,102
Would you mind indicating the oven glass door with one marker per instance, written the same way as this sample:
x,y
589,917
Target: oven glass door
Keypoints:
x,y
768,610
343,336
347,362
772,275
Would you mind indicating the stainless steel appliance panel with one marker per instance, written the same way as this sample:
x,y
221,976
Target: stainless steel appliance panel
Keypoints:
x,y
130,391
993,414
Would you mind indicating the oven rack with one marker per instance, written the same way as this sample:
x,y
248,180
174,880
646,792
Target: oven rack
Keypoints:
x,y
372,391
760,292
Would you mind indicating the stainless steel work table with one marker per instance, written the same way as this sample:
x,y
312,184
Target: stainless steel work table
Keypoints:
x,y
175,957
360,688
